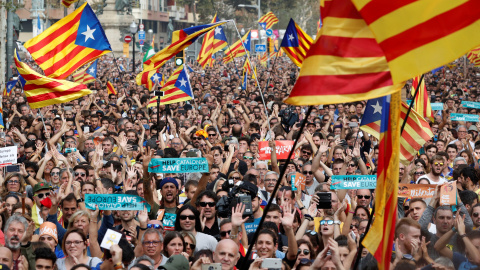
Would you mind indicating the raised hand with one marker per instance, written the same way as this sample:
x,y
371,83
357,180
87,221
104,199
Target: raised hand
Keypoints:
x,y
237,215
323,146
288,216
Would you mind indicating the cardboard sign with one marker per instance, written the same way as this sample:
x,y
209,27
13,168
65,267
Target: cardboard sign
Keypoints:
x,y
111,237
416,190
115,202
8,155
354,182
178,165
448,193
298,181
471,104
464,117
283,149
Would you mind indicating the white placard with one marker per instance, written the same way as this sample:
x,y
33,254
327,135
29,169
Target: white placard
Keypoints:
x,y
8,155
111,237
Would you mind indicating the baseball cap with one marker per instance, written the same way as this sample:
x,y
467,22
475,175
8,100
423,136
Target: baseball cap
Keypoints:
x,y
50,229
176,262
40,186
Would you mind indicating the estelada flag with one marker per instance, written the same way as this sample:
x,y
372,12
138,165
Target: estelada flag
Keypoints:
x,y
176,89
42,91
345,64
72,42
111,89
213,41
268,20
296,43
418,36
237,49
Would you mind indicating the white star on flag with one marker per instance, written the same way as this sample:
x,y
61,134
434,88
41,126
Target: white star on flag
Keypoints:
x,y
92,70
10,87
377,108
89,33
218,31
290,37
155,77
183,82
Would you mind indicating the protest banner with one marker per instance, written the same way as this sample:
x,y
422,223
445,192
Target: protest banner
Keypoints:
x,y
448,193
416,190
470,104
354,182
115,202
178,165
464,117
8,155
298,181
283,148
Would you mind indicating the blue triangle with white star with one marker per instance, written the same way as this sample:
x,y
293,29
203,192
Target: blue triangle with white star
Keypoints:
x,y
90,33
183,83
290,38
92,69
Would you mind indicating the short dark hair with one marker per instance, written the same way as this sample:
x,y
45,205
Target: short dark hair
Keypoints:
x,y
468,197
209,193
46,254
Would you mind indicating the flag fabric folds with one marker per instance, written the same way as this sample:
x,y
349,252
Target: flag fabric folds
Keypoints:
x,y
247,67
416,133
237,49
474,56
110,89
72,42
422,101
86,75
176,89
296,43
345,64
42,91
264,59
213,41
68,3
379,239
150,51
9,86
418,36
268,20
182,39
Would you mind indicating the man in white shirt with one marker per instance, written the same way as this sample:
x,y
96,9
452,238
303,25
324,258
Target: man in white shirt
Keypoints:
x,y
437,165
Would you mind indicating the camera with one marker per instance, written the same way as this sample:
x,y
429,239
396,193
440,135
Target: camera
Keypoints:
x,y
158,93
243,193
229,106
289,117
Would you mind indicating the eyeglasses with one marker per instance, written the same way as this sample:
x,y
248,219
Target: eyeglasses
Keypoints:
x,y
364,196
223,132
204,204
13,182
151,243
192,246
197,138
54,173
212,134
326,222
78,173
175,143
307,153
305,252
155,226
236,178
250,158
353,226
76,243
184,217
308,172
224,233
40,195
352,165
438,163
419,173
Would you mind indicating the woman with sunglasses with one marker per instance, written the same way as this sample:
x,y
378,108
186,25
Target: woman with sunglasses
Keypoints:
x,y
190,243
55,177
328,229
249,159
416,173
188,220
173,244
305,252
236,176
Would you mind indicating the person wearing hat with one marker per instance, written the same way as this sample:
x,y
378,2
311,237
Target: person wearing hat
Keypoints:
x,y
41,191
176,262
169,190
48,234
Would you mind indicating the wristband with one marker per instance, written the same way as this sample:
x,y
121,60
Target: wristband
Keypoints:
x,y
352,212
143,229
301,208
118,266
308,217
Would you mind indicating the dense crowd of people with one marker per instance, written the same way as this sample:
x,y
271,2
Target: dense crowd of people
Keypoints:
x,y
103,144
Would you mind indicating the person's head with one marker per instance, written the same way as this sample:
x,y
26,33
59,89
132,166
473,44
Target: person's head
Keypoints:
x,y
469,178
144,260
416,208
476,215
437,164
327,226
305,250
40,191
173,244
407,230
152,242
169,189
80,173
266,244
188,219
443,263
452,151
45,259
431,150
75,243
107,146
337,166
274,214
6,257
190,242
227,254
15,229
307,171
271,179
364,197
80,219
10,200
443,219
48,234
13,183
206,203
469,198
69,206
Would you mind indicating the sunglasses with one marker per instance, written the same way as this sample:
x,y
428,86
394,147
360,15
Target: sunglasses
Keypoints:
x,y
475,214
192,246
40,195
438,163
212,134
308,172
204,204
54,173
326,222
155,226
305,252
224,233
250,158
184,217
307,153
364,196
311,232
419,173
353,226
81,174
197,138
223,132
406,207
351,165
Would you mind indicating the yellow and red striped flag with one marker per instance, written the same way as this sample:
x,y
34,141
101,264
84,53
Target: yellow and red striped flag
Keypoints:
x,y
474,56
296,43
433,33
176,89
247,67
268,20
68,3
72,42
345,64
110,89
42,91
379,239
214,41
263,59
422,102
83,77
237,49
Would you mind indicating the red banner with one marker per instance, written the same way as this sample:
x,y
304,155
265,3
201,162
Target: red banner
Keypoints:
x,y
283,148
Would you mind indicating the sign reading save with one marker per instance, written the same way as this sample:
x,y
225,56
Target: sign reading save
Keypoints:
x,y
178,165
115,202
354,181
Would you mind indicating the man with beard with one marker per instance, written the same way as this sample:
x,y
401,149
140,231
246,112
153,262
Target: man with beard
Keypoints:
x,y
437,164
407,233
15,231
469,179
128,225
271,179
476,216
206,205
169,190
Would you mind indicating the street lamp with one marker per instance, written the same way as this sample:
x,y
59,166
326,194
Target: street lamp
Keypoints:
x,y
133,30
259,14
242,31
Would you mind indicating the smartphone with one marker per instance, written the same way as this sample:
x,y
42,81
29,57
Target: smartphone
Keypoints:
x,y
12,168
146,126
86,129
247,201
324,200
353,124
212,266
272,263
352,234
54,111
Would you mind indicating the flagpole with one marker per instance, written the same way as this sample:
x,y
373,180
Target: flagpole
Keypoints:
x,y
256,78
411,104
277,185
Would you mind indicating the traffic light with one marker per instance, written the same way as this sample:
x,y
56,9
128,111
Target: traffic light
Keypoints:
x,y
180,58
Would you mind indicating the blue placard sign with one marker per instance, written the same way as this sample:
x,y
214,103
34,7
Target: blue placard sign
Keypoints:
x,y
471,104
354,182
115,202
464,117
178,165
